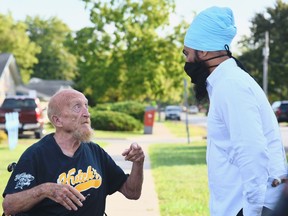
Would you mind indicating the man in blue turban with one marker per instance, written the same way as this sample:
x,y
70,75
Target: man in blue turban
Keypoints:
x,y
245,155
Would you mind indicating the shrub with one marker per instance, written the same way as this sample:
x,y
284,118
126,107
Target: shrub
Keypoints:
x,y
132,108
3,136
114,121
103,107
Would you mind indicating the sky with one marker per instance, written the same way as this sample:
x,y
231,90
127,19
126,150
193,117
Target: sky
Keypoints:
x,y
73,13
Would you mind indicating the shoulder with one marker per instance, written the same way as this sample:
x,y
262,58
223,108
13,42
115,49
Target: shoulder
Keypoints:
x,y
42,145
95,151
91,146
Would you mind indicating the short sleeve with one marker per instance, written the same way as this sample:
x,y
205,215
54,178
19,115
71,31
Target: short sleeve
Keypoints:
x,y
23,176
115,176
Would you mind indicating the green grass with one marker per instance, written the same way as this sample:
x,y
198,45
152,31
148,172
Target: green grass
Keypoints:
x,y
179,129
180,175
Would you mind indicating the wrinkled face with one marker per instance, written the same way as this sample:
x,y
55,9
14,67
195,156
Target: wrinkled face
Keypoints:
x,y
75,116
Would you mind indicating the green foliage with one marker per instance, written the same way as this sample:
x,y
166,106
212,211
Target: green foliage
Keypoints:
x,y
123,56
55,60
3,136
131,108
114,121
275,21
13,39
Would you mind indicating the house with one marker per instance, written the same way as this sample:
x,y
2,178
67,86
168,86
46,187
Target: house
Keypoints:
x,y
46,88
11,82
9,75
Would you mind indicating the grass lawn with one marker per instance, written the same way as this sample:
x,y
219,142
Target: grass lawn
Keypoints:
x,y
179,171
179,129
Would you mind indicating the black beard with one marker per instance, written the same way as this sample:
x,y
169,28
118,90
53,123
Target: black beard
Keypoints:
x,y
200,90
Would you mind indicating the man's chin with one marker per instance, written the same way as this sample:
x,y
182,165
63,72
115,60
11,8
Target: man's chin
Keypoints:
x,y
84,135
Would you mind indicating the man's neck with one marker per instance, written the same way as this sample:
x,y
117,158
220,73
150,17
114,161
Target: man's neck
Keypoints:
x,y
67,143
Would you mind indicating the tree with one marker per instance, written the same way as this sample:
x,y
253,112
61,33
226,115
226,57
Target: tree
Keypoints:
x,y
55,60
275,21
13,39
124,57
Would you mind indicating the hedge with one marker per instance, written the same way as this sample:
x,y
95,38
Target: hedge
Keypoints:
x,y
114,121
132,108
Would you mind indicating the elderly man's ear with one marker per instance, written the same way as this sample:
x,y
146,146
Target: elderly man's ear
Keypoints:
x,y
56,121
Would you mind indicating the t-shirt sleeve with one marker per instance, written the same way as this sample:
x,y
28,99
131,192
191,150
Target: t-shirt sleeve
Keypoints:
x,y
115,176
23,176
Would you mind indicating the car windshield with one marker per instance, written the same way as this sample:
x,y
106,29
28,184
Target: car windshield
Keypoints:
x,y
284,106
172,110
11,103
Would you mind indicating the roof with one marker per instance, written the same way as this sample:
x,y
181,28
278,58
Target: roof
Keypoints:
x,y
48,87
4,57
8,60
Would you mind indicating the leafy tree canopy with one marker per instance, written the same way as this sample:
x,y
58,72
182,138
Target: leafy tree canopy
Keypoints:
x,y
124,57
13,39
55,60
275,21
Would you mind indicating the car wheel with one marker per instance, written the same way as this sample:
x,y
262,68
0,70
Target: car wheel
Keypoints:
x,y
39,134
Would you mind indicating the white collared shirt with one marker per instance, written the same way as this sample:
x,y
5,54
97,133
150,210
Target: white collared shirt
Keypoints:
x,y
244,147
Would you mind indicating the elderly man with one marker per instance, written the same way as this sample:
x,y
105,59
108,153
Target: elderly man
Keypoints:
x,y
67,174
245,156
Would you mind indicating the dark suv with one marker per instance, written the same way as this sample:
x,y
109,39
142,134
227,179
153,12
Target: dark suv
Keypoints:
x,y
281,110
31,116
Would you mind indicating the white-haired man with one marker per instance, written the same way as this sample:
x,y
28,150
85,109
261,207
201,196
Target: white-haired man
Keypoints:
x,y
67,174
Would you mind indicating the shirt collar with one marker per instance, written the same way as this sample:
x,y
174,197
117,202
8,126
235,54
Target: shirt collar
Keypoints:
x,y
218,73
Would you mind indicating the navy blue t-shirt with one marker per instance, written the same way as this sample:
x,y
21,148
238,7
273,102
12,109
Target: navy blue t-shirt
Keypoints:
x,y
91,171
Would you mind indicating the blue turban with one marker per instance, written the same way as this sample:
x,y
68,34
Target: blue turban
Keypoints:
x,y
211,29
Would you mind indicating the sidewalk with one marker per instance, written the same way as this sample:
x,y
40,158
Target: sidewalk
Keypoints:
x,y
147,205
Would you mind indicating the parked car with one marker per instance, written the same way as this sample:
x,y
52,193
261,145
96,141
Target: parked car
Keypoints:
x,y
193,109
31,117
173,112
280,109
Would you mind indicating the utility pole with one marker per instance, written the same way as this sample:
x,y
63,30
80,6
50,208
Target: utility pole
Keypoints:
x,y
265,63
186,104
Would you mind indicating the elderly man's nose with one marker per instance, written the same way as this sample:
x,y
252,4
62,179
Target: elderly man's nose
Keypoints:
x,y
86,113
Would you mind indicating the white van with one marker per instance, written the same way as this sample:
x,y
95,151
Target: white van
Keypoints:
x,y
173,112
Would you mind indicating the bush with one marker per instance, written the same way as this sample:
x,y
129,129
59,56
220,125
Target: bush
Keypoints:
x,y
114,121
3,136
132,108
103,107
